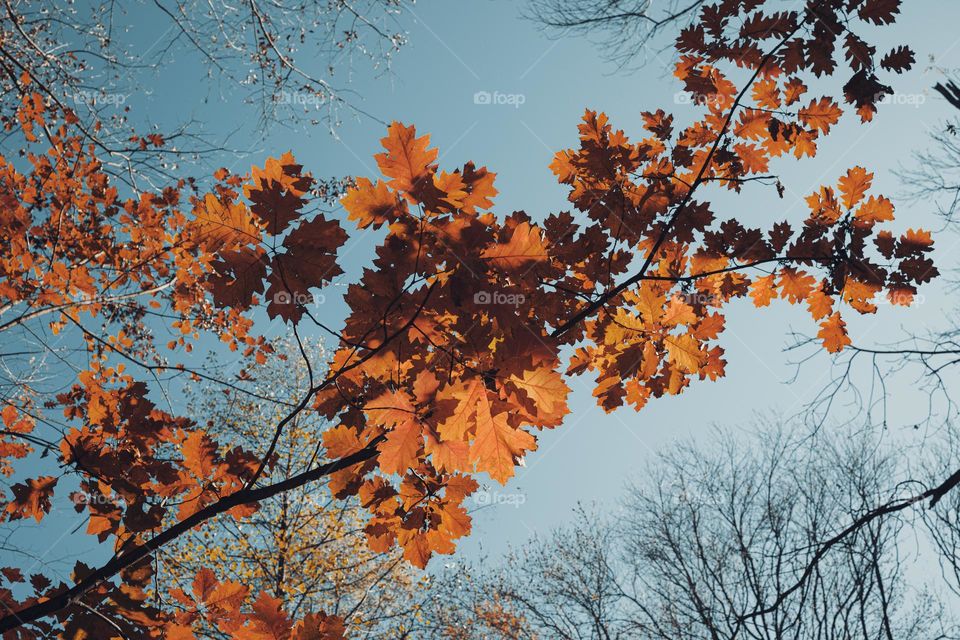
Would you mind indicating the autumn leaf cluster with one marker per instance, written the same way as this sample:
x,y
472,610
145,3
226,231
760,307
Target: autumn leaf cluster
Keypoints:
x,y
430,385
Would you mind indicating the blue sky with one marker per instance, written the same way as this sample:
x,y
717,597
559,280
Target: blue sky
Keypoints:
x,y
458,48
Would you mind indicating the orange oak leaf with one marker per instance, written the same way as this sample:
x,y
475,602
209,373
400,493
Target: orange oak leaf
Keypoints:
x,y
753,124
824,207
370,204
763,290
525,247
754,159
874,209
393,410
341,441
546,388
833,332
819,304
685,352
400,449
319,626
498,446
390,409
447,455
408,160
266,621
854,185
479,186
766,94
793,91
795,285
222,225
218,595
821,114
464,399
199,453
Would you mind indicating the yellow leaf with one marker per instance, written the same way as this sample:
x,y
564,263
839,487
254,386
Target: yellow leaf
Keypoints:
x,y
685,352
498,446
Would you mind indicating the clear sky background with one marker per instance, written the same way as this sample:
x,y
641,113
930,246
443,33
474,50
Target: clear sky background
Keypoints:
x,y
457,48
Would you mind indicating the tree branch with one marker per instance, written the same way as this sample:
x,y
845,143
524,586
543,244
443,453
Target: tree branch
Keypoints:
x,y
128,557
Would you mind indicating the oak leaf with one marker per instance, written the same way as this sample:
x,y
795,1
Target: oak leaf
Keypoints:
x,y
833,333
370,204
31,498
498,446
821,114
854,185
408,160
546,388
525,247
222,225
685,352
